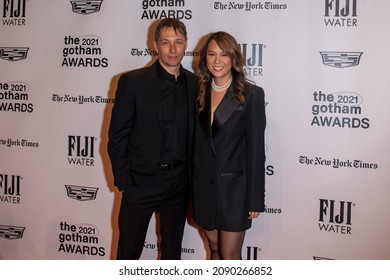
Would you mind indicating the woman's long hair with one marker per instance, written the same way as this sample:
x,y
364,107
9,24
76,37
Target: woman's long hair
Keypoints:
x,y
228,45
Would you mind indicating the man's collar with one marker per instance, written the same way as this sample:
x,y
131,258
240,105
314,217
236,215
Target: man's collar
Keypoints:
x,y
162,73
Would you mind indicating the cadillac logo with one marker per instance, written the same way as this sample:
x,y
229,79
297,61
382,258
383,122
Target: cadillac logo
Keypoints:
x,y
11,232
86,7
341,59
13,54
81,193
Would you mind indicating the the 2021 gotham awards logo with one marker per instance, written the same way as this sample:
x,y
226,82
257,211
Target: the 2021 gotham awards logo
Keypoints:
x,y
81,193
338,110
335,216
13,53
81,150
159,9
10,188
80,239
14,12
83,51
14,97
253,53
86,7
11,232
341,59
341,13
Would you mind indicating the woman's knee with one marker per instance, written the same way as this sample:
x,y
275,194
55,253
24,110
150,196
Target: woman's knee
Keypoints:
x,y
212,239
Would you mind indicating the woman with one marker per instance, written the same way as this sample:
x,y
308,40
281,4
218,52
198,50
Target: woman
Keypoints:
x,y
229,157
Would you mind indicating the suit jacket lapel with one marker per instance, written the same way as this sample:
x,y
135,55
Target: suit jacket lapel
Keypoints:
x,y
229,104
191,86
225,109
154,91
205,120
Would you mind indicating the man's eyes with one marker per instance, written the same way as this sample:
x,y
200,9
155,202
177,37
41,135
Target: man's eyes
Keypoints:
x,y
167,43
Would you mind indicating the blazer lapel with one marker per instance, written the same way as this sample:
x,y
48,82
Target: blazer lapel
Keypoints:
x,y
154,91
205,120
225,109
191,86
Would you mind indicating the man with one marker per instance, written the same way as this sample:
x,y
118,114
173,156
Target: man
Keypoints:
x,y
150,145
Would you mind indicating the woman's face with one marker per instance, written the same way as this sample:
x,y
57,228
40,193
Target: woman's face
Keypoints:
x,y
218,63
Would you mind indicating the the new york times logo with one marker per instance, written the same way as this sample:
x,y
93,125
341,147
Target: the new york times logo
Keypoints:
x,y
335,217
341,59
14,12
157,247
10,188
340,13
249,6
86,7
11,232
81,193
13,53
81,150
159,9
253,53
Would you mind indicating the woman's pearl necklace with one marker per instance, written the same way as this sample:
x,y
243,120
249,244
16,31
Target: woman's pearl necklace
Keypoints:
x,y
220,88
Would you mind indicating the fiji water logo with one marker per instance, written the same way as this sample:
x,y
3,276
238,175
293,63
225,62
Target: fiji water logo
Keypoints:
x,y
81,150
14,12
10,188
252,252
335,216
340,13
253,54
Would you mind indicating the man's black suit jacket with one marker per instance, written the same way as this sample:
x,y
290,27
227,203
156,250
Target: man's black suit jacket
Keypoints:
x,y
136,127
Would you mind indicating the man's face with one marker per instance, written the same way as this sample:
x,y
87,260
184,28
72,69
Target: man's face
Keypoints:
x,y
171,47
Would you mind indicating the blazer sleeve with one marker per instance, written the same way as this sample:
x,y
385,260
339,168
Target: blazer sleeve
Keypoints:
x,y
122,117
256,122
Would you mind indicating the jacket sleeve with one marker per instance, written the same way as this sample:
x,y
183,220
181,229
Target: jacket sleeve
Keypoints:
x,y
256,122
122,117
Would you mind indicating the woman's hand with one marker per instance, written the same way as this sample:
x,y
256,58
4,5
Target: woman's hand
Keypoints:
x,y
253,215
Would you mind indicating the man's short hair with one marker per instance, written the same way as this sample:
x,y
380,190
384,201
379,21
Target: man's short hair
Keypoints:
x,y
176,24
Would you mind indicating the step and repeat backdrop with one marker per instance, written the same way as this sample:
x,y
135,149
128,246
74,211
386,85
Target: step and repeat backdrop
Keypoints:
x,y
324,66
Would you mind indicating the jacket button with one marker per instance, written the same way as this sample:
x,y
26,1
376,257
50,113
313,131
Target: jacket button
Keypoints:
x,y
211,181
